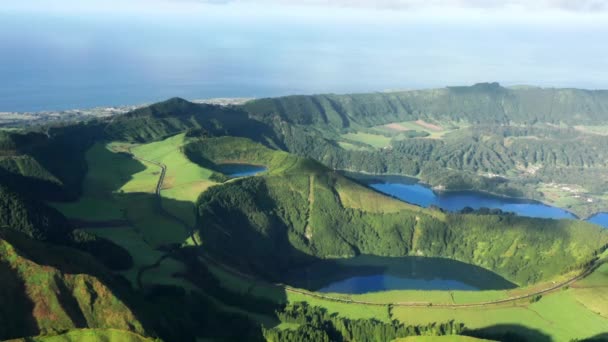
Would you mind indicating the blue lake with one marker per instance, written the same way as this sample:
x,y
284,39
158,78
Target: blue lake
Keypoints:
x,y
235,170
409,190
387,282
458,200
368,273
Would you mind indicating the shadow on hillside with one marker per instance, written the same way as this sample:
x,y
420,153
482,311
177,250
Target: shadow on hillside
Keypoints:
x,y
597,338
509,333
323,271
16,309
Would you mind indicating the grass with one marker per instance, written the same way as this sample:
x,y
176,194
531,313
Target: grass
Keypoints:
x,y
351,147
374,140
578,312
180,170
359,197
158,229
167,273
420,126
184,198
117,187
108,173
348,310
89,335
184,180
143,254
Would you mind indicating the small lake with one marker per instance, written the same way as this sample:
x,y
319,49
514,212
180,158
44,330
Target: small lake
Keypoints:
x,y
368,273
409,190
234,170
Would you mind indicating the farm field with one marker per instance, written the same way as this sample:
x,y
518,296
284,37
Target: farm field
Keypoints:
x,y
374,140
432,130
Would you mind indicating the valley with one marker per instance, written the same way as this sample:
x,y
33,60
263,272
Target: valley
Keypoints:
x,y
197,214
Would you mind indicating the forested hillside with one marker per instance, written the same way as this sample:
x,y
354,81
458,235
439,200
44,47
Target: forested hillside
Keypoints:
x,y
523,142
285,219
484,103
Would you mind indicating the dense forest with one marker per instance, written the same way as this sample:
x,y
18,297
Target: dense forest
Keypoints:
x,y
483,103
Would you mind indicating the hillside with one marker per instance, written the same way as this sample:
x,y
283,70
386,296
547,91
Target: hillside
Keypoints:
x,y
189,250
176,115
51,289
521,142
271,223
89,335
483,103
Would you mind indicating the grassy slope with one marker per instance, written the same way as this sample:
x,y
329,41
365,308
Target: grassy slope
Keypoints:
x,y
51,287
117,187
184,180
89,335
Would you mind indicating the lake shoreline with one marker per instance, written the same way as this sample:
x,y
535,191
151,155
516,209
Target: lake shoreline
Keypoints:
x,y
417,180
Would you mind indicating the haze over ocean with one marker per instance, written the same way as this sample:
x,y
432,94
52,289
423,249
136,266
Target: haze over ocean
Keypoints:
x,y
107,53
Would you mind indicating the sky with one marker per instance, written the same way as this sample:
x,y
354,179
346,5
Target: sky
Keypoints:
x,y
63,53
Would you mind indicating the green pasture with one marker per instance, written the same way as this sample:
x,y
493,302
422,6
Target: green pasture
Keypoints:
x,y
180,170
167,273
89,335
184,180
446,127
577,312
374,140
109,173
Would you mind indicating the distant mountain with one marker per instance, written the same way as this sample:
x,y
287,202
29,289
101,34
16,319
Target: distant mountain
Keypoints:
x,y
176,115
482,103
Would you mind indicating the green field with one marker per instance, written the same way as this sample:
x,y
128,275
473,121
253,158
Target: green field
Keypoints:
x,y
374,140
118,187
434,130
89,335
577,312
109,173
184,180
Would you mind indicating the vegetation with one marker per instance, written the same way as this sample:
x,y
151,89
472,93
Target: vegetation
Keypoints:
x,y
485,137
176,249
89,335
314,323
51,289
484,103
299,215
